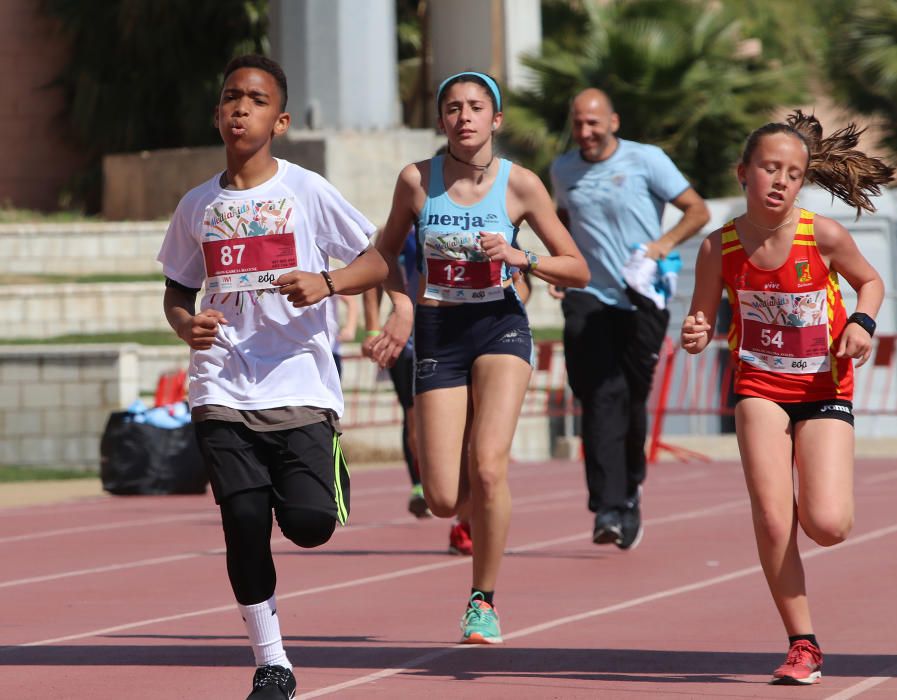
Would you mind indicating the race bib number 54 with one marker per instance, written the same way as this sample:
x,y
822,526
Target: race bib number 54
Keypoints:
x,y
785,332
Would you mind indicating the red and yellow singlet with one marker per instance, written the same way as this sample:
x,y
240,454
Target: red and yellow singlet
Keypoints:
x,y
786,322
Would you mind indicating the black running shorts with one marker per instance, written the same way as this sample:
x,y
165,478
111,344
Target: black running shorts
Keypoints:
x,y
305,466
839,409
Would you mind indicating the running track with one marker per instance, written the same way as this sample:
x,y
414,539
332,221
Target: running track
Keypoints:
x,y
126,597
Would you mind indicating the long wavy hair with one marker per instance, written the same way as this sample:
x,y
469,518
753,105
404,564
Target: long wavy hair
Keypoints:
x,y
834,163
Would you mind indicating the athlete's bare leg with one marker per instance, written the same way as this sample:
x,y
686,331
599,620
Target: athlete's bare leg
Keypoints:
x,y
824,451
498,388
765,443
441,420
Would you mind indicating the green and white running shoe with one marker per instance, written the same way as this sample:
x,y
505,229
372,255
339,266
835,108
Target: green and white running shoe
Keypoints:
x,y
480,622
417,504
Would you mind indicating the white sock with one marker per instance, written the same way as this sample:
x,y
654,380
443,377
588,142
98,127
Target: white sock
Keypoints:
x,y
263,628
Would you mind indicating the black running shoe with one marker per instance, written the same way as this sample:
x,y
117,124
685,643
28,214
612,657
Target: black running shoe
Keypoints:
x,y
631,527
608,527
273,683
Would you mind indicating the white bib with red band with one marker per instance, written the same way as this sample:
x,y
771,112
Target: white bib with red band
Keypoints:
x,y
785,332
249,246
458,270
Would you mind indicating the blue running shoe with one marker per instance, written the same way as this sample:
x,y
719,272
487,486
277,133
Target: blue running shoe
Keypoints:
x,y
480,622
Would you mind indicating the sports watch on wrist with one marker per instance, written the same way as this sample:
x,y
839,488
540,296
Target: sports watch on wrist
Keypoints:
x,y
864,321
532,260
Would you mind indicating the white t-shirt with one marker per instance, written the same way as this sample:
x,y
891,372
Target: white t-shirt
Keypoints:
x,y
235,243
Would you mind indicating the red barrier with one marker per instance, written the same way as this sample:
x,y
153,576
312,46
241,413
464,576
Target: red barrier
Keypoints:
x,y
684,384
700,384
171,388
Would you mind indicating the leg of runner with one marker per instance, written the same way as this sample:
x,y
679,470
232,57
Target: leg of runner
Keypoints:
x,y
824,451
765,442
824,462
498,388
441,418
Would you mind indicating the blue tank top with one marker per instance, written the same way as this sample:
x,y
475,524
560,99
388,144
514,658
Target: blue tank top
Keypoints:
x,y
449,253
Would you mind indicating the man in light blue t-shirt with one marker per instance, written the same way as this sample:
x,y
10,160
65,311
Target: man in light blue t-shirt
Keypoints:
x,y
611,194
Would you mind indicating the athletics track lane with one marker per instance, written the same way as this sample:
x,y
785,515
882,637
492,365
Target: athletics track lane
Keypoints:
x,y
127,598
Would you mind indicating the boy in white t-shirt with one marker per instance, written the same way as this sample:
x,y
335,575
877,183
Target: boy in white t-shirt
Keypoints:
x,y
264,390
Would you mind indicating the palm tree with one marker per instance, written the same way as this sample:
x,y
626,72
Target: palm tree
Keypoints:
x,y
863,62
680,75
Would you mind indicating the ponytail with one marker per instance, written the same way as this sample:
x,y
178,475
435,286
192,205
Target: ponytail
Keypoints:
x,y
834,163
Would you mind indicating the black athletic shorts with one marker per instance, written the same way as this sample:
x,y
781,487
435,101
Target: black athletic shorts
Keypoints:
x,y
838,409
402,375
305,466
447,339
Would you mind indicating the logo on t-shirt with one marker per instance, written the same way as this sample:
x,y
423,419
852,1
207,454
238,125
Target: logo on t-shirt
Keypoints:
x,y
802,268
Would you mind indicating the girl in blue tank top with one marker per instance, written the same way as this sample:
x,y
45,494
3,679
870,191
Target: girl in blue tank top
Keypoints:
x,y
472,341
451,257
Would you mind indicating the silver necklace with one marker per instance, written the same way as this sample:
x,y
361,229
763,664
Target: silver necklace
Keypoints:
x,y
769,228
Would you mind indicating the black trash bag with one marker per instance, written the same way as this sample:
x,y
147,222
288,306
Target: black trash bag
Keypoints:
x,y
138,458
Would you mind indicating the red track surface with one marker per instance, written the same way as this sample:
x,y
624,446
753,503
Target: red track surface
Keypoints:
x,y
128,598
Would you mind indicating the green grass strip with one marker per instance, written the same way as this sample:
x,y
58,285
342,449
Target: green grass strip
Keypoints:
x,y
15,473
160,337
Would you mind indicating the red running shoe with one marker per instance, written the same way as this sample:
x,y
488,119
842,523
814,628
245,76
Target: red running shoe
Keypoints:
x,y
459,539
803,665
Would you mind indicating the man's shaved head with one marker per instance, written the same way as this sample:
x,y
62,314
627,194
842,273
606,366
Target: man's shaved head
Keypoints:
x,y
593,124
592,96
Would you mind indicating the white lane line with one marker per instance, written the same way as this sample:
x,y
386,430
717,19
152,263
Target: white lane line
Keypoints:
x,y
878,478
530,504
411,571
277,541
212,512
81,529
682,477
105,569
862,686
403,520
649,522
624,605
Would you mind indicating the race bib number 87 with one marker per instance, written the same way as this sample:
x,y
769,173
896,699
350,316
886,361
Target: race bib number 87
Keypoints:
x,y
248,245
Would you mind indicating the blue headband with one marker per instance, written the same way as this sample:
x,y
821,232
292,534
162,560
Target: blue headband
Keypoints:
x,y
490,83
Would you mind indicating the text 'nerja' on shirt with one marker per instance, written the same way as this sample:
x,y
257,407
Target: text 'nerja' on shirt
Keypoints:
x,y
235,243
453,263
786,322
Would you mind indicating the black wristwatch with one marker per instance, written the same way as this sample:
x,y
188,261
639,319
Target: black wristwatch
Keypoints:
x,y
864,321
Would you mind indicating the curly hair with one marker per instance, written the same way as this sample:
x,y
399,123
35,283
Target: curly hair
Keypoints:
x,y
833,162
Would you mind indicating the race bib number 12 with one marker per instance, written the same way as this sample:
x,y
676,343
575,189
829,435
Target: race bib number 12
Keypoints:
x,y
458,270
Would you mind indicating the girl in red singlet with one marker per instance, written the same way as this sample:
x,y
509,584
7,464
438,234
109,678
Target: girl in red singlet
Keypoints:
x,y
794,347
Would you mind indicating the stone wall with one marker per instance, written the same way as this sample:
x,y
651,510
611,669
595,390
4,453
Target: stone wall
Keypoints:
x,y
81,248
362,165
42,310
50,310
54,402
